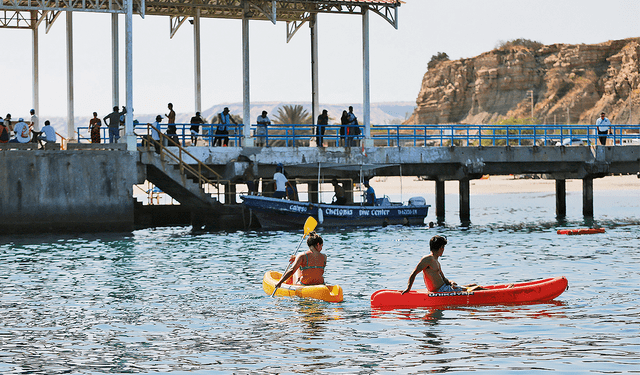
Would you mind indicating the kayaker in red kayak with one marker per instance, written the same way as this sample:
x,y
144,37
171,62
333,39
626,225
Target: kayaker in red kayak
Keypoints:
x,y
310,264
434,279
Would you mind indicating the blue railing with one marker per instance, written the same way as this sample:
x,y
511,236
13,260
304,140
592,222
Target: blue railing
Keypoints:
x,y
407,135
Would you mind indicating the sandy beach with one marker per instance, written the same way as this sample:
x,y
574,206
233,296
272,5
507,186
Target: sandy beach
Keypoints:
x,y
499,185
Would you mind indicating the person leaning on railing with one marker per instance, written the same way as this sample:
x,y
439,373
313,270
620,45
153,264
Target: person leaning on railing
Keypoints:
x,y
604,128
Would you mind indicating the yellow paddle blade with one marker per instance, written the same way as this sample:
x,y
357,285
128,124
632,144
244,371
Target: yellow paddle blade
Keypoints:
x,y
309,225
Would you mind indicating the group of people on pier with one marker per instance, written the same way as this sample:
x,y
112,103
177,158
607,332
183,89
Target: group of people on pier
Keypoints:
x,y
348,133
26,131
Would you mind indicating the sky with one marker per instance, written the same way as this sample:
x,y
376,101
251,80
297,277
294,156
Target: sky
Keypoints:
x,y
280,71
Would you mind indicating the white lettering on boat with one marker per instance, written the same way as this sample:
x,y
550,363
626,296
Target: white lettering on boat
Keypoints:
x,y
373,212
338,212
450,294
407,212
297,208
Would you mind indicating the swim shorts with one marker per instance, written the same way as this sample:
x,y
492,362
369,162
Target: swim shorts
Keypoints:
x,y
449,288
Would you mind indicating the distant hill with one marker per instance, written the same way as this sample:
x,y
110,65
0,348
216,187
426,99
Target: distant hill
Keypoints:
x,y
569,84
386,113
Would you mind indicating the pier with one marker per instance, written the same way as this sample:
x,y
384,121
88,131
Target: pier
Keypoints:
x,y
89,187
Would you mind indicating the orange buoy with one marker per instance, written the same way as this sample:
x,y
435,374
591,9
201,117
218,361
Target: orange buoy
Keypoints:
x,y
581,231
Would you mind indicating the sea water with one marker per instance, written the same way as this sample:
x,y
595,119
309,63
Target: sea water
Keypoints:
x,y
168,300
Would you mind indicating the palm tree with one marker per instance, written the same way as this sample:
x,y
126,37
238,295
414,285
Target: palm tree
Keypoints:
x,y
292,114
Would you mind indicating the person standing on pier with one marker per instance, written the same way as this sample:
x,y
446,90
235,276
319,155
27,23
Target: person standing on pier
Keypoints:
x,y
34,124
195,128
604,127
7,122
222,131
434,278
261,130
352,124
370,195
114,123
171,124
323,121
344,121
4,132
94,128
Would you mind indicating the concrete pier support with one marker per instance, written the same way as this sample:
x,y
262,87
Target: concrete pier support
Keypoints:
x,y
312,188
561,198
587,197
465,210
440,201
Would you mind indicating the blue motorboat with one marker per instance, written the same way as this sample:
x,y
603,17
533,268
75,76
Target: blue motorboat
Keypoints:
x,y
275,213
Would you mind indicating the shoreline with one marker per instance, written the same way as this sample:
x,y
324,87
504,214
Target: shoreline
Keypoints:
x,y
500,185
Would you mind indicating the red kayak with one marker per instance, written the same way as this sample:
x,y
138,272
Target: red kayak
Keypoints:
x,y
581,231
503,294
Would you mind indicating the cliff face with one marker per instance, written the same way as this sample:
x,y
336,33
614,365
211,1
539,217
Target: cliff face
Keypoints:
x,y
575,80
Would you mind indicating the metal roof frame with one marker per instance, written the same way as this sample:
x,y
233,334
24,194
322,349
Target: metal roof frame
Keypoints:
x,y
27,14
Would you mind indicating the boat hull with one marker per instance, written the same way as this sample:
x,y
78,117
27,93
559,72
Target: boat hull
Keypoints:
x,y
324,292
502,294
273,213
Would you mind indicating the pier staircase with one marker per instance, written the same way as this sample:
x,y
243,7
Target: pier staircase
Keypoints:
x,y
186,183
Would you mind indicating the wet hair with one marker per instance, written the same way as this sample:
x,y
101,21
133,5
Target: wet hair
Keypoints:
x,y
314,239
437,242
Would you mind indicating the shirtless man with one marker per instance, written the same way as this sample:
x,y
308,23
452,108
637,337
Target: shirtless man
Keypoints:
x,y
429,265
310,264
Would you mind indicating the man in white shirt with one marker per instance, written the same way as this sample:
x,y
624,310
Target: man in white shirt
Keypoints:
x,y
604,127
281,183
155,133
261,130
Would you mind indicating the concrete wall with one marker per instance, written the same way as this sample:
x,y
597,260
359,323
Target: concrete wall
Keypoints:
x,y
67,191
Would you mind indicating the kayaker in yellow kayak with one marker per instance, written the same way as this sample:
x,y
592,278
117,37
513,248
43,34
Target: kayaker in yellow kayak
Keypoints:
x,y
308,266
434,279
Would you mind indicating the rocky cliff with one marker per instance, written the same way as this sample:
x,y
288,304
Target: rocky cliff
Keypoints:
x,y
569,84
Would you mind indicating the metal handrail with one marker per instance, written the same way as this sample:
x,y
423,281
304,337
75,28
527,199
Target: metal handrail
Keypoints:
x,y
183,166
422,135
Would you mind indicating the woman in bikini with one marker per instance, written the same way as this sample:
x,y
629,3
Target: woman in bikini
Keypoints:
x,y
308,266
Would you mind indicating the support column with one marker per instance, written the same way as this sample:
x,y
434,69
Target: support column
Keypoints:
x,y
128,126
561,198
440,201
230,193
348,189
315,95
312,188
71,137
196,61
465,211
366,89
246,103
115,65
587,197
36,80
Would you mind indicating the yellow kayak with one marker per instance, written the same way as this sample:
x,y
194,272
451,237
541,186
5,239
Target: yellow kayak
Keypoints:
x,y
328,293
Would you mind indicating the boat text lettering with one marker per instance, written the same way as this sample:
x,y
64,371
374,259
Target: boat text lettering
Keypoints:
x,y
338,212
373,212
297,208
407,212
